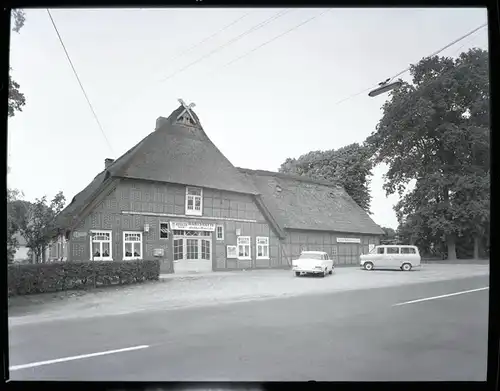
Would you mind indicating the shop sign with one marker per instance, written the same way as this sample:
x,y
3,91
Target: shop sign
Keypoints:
x,y
348,240
188,226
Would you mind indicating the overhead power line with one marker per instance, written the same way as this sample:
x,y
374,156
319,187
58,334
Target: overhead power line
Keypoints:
x,y
408,68
79,81
271,40
443,48
256,27
192,47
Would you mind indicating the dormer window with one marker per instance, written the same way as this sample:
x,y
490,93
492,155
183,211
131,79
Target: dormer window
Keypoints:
x,y
194,201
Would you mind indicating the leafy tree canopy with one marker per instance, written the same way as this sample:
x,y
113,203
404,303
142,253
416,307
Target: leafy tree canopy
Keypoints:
x,y
435,131
37,223
349,166
16,98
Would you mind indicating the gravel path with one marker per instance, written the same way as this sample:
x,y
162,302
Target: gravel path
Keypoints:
x,y
179,292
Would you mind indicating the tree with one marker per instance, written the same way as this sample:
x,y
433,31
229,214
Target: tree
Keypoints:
x,y
16,97
38,223
14,209
389,235
349,166
435,131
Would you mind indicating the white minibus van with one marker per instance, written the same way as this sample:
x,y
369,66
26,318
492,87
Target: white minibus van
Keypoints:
x,y
391,257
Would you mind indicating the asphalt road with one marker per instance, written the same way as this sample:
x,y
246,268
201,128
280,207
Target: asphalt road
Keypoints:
x,y
349,336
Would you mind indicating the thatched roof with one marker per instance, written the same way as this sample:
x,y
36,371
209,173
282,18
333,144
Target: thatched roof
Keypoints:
x,y
172,153
176,153
298,202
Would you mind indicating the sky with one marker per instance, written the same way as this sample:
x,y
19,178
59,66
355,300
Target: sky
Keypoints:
x,y
280,101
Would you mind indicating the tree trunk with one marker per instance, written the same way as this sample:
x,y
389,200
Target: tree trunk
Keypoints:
x,y
452,250
476,246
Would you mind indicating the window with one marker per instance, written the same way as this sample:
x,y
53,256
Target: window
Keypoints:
x,y
334,252
205,249
220,232
163,230
100,246
408,250
392,250
194,197
232,252
178,232
307,255
132,245
262,247
380,250
178,249
244,247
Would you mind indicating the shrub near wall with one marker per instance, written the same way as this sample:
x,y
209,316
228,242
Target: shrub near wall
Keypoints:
x,y
61,276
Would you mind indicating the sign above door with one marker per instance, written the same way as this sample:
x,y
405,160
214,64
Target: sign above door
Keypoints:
x,y
183,225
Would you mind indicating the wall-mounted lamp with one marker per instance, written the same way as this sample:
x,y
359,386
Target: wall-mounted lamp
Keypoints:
x,y
146,227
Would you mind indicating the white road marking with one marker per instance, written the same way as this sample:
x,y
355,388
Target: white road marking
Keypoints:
x,y
441,296
58,360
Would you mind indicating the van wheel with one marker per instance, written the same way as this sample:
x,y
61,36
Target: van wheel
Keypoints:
x,y
330,272
368,266
297,274
406,267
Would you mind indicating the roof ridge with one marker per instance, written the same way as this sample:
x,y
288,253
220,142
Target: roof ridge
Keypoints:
x,y
301,178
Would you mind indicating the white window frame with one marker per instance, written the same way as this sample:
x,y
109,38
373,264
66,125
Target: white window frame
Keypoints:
x,y
132,258
249,245
92,241
193,212
217,232
159,230
257,245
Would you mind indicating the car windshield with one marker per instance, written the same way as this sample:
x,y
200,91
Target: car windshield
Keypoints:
x,y
310,256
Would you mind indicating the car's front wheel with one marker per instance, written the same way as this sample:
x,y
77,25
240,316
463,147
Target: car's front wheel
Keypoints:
x,y
297,274
331,271
368,266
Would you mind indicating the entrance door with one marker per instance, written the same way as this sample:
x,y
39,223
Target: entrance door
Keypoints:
x,y
192,255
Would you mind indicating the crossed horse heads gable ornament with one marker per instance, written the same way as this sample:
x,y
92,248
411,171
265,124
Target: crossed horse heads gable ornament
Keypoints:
x,y
187,109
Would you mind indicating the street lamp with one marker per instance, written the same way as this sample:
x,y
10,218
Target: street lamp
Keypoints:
x,y
384,87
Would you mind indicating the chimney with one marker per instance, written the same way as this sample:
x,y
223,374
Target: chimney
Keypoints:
x,y
160,122
108,162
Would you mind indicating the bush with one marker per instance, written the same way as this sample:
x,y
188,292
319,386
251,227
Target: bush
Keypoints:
x,y
61,276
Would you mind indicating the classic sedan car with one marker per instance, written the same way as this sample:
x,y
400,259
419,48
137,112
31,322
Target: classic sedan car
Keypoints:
x,y
313,262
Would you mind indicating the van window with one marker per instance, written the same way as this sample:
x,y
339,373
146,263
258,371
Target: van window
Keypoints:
x,y
392,250
380,250
408,250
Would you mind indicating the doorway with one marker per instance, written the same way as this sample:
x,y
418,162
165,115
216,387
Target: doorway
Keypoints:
x,y
192,251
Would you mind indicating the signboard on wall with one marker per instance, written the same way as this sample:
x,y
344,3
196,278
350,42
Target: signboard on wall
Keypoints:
x,y
79,234
184,225
371,247
232,252
348,240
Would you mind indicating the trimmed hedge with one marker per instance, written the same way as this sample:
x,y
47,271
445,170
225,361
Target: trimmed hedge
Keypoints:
x,y
62,276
